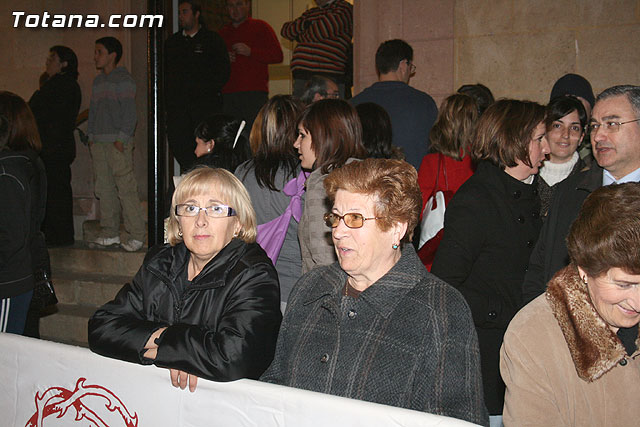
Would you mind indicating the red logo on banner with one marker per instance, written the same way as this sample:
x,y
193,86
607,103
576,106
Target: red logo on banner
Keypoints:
x,y
88,403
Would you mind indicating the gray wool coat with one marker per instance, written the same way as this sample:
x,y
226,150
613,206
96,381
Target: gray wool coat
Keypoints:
x,y
408,341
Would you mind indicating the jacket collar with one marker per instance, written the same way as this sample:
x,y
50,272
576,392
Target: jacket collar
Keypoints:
x,y
594,348
385,294
212,275
493,176
592,179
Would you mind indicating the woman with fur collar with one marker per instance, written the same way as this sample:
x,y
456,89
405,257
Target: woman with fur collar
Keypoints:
x,y
571,356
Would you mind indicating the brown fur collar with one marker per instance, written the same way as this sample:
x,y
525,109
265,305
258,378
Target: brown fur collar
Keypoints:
x,y
594,348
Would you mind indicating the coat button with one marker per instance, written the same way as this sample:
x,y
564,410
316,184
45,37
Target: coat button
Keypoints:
x,y
521,219
352,314
535,191
517,194
492,315
623,362
535,215
324,358
529,243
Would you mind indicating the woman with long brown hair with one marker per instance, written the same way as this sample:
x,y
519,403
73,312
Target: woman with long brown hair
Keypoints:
x,y
329,135
268,178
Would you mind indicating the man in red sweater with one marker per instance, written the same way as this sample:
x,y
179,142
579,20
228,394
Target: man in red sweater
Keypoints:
x,y
252,45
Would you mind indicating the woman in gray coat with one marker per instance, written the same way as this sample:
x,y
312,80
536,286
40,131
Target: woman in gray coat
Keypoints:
x,y
376,325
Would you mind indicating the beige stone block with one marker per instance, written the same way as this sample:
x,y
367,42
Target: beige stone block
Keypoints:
x,y
608,12
65,290
546,14
610,56
474,18
389,20
98,293
571,14
514,67
68,325
428,19
434,66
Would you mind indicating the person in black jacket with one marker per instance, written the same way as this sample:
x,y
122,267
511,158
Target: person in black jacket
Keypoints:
x,y
23,192
55,106
491,225
208,303
196,68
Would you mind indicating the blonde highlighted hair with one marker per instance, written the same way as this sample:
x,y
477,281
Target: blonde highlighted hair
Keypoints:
x,y
204,180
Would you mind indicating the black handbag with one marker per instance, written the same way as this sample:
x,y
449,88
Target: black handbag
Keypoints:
x,y
44,294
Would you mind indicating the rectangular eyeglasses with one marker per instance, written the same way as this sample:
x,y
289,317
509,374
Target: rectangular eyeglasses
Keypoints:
x,y
351,220
215,211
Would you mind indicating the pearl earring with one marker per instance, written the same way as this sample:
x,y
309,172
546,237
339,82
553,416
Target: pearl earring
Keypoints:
x,y
180,233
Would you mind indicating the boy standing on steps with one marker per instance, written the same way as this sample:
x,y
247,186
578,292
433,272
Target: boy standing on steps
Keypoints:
x,y
112,123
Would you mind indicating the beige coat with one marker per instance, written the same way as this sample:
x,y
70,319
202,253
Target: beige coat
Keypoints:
x,y
564,367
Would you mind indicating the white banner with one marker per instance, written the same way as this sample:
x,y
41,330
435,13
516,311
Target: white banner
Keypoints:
x,y
48,384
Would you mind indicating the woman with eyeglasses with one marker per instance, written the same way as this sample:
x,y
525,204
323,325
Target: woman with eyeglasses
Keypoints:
x,y
566,123
376,325
329,135
207,304
491,225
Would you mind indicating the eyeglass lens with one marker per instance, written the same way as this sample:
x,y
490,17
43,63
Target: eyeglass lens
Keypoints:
x,y
351,220
215,211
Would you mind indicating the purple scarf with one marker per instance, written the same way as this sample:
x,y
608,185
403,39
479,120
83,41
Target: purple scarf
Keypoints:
x,y
271,234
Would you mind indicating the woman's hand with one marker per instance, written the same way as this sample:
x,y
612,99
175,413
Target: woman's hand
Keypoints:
x,y
181,378
151,346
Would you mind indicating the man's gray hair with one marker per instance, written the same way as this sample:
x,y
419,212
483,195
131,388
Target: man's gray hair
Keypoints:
x,y
316,84
632,93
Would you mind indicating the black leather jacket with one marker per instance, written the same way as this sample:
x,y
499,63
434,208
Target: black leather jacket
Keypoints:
x,y
222,327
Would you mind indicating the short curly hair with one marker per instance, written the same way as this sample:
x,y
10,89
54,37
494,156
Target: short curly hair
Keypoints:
x,y
606,233
393,182
203,180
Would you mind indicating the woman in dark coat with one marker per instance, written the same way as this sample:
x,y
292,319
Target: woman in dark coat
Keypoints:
x,y
491,226
205,305
55,106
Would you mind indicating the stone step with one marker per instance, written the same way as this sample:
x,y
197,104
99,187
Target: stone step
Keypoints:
x,y
67,324
87,289
80,258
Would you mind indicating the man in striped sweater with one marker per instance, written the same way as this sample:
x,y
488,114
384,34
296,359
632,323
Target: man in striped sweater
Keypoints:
x,y
323,35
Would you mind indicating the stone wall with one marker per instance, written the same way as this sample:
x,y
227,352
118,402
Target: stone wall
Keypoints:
x,y
518,48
